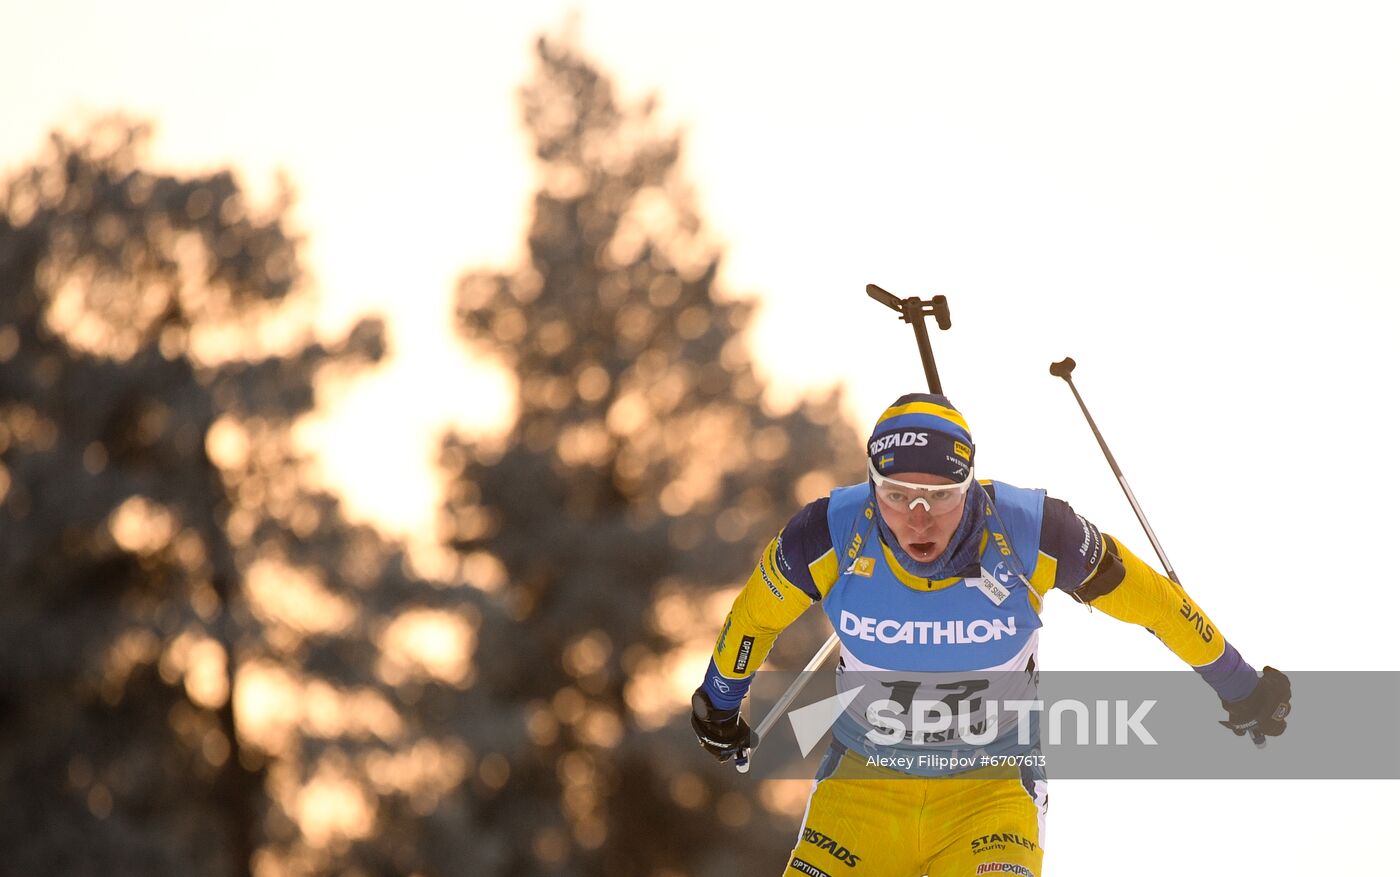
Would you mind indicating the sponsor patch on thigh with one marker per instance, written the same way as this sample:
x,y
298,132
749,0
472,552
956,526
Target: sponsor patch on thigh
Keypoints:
x,y
830,845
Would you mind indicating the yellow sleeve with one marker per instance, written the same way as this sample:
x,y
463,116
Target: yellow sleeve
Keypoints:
x,y
765,607
1130,590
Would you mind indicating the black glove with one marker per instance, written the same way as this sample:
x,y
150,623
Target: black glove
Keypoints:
x,y
1263,711
723,733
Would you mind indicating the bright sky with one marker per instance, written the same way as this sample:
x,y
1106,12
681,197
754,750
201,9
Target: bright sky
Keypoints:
x,y
1198,201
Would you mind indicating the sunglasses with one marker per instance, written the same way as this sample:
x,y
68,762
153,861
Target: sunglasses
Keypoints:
x,y
935,497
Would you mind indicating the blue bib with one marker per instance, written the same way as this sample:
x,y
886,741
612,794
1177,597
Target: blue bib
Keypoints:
x,y
884,623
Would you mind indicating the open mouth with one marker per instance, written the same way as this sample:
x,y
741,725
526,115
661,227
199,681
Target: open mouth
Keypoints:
x,y
921,548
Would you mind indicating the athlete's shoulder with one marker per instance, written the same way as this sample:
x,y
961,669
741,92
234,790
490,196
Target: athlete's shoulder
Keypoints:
x,y
1073,540
804,542
1013,513
809,525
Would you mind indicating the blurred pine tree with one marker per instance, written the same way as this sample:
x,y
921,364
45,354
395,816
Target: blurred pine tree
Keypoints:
x,y
630,498
203,667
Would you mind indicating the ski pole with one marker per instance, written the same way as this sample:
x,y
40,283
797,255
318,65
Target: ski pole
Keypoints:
x,y
741,763
913,311
1063,369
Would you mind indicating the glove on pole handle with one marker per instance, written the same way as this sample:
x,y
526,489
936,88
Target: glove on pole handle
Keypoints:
x,y
912,311
1063,369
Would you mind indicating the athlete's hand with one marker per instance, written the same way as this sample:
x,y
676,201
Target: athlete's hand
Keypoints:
x,y
1264,711
723,733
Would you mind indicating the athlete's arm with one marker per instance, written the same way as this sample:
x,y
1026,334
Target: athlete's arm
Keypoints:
x,y
1098,570
796,570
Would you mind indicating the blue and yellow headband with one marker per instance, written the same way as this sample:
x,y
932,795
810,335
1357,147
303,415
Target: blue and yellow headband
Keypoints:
x,y
921,432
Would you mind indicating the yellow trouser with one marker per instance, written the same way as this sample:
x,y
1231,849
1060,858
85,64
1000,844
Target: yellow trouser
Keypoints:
x,y
871,822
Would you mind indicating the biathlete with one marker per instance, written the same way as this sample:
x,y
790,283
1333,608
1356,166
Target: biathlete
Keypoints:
x,y
924,570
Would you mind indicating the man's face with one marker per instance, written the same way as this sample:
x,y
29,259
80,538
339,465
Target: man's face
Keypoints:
x,y
921,533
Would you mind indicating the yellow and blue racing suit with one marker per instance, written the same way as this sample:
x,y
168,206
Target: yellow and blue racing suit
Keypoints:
x,y
865,817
